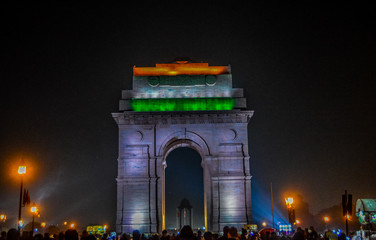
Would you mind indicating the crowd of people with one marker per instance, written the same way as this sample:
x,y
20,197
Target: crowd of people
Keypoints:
x,y
186,233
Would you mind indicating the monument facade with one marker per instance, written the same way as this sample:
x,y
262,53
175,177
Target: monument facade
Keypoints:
x,y
184,214
182,104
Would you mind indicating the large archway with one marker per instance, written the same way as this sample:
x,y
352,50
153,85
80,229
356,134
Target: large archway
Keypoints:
x,y
184,180
185,139
182,105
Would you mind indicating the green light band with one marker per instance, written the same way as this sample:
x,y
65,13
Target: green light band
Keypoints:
x,y
182,104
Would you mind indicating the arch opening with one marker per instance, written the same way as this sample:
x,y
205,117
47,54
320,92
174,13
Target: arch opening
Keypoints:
x,y
184,179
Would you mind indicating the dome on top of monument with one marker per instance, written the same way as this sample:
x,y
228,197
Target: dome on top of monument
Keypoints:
x,y
185,204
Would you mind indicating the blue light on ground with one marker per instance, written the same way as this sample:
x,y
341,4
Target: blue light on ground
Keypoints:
x,y
262,208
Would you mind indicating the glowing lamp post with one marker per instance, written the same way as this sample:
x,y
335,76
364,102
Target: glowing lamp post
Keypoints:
x,y
290,209
3,217
21,172
34,211
326,220
289,202
20,223
43,225
72,225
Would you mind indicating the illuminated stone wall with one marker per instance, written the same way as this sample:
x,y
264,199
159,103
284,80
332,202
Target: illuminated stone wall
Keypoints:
x,y
147,137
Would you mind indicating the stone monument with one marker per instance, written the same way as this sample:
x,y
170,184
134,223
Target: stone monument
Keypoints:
x,y
182,104
184,214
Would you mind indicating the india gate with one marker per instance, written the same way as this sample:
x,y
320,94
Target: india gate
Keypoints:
x,y
182,104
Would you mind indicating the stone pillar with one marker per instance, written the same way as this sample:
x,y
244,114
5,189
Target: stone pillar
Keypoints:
x,y
231,188
136,192
134,208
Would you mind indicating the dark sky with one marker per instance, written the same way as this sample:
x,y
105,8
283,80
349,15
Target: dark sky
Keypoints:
x,y
307,69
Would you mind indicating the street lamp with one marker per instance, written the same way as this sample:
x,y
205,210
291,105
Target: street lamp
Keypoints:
x,y
3,217
290,209
43,225
21,172
20,223
289,201
326,220
34,211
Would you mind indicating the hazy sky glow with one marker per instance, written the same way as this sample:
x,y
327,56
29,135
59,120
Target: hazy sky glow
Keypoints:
x,y
307,70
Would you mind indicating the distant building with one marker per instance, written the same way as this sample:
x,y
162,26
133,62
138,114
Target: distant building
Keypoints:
x,y
184,214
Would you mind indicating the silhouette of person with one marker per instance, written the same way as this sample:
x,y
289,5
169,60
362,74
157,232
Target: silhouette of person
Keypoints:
x,y
186,233
165,236
233,232
208,236
84,235
225,233
13,234
244,234
71,234
3,235
299,234
136,235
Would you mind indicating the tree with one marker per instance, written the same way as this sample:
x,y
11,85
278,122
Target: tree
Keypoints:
x,y
302,211
28,226
52,229
337,221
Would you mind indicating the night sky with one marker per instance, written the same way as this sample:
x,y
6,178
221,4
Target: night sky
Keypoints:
x,y
307,69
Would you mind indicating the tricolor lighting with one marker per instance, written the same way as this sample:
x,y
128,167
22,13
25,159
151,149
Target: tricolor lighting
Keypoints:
x,y
182,104
180,68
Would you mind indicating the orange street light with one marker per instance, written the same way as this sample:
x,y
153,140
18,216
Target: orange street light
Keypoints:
x,y
65,223
21,172
3,217
22,169
43,224
34,211
297,221
289,202
290,209
264,224
326,220
72,225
